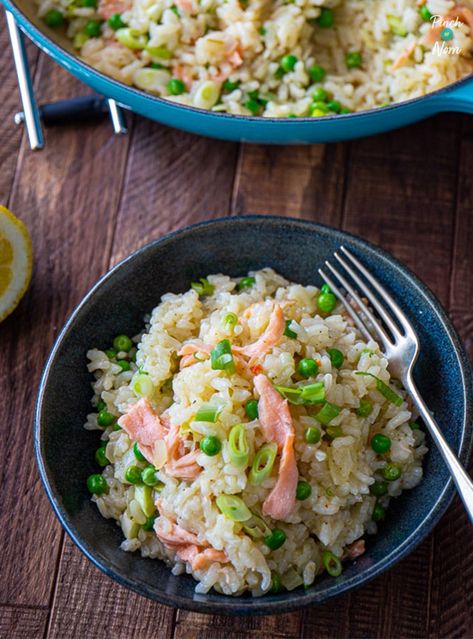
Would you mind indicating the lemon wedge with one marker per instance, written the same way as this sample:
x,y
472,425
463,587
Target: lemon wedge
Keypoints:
x,y
16,261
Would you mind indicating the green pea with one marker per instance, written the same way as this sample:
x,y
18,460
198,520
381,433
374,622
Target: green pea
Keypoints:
x,y
319,106
122,343
133,475
307,367
111,353
210,445
317,73
303,490
288,332
336,357
288,62
138,454
276,539
148,476
365,408
101,406
254,106
101,457
93,28
262,31
246,282
251,409
325,19
344,111
230,86
380,443
154,65
276,584
312,435
414,425
379,512
334,105
319,95
379,488
176,87
353,60
115,22
149,523
104,418
88,3
54,18
391,472
124,365
326,302
97,484
425,13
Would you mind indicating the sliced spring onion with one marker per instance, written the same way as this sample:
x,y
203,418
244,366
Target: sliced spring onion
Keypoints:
x,y
208,412
221,357
327,413
263,463
203,287
239,451
229,321
384,389
256,527
396,26
309,394
233,508
130,40
332,563
154,80
142,385
207,95
291,579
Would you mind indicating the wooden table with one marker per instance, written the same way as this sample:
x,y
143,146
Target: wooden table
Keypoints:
x,y
89,199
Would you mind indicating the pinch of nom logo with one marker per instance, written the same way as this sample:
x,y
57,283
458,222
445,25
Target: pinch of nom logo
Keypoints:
x,y
446,33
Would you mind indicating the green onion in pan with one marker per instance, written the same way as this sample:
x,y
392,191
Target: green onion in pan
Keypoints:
x,y
334,431
332,563
221,357
203,287
309,394
208,413
239,451
142,385
327,413
384,389
256,527
233,508
263,463
288,332
229,321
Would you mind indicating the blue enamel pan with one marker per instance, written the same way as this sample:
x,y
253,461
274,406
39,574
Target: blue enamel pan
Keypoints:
x,y
456,97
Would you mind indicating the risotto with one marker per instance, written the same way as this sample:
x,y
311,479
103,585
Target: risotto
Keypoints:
x,y
250,436
278,58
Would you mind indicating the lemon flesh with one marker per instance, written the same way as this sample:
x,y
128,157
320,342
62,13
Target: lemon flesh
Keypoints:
x,y
16,261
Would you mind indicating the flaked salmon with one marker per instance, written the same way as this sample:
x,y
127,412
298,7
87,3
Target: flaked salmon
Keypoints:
x,y
271,336
277,426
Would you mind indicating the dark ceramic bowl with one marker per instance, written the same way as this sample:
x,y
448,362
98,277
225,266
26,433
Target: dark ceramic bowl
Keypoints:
x,y
118,303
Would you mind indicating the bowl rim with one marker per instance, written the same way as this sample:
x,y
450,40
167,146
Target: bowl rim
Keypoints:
x,y
260,606
55,50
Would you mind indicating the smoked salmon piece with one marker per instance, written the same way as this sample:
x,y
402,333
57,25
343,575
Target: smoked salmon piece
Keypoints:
x,y
277,426
143,425
268,339
180,464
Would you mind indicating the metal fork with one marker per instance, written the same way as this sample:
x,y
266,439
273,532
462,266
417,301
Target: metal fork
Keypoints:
x,y
399,343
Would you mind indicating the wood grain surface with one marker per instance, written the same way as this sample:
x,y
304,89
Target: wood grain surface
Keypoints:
x,y
89,199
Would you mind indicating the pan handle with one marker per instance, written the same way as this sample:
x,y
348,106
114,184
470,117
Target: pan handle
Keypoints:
x,y
458,99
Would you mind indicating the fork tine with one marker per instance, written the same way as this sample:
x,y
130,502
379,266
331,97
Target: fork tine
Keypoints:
x,y
349,288
365,290
351,311
393,306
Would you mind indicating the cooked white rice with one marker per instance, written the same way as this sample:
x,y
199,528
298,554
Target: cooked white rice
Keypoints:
x,y
228,54
340,471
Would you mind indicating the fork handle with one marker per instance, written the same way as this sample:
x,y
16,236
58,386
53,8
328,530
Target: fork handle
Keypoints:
x,y
462,480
